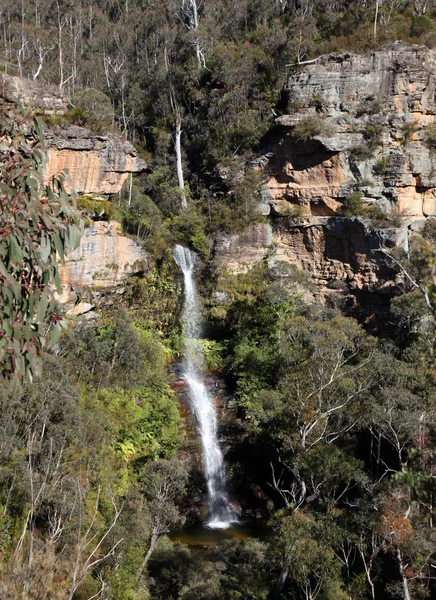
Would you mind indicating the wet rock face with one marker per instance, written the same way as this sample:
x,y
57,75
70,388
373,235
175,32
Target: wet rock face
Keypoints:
x,y
96,164
383,100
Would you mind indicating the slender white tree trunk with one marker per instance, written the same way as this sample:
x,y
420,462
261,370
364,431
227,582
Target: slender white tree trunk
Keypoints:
x,y
403,576
153,541
377,5
130,192
179,162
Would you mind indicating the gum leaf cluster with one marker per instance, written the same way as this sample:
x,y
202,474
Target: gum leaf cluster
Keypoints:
x,y
38,226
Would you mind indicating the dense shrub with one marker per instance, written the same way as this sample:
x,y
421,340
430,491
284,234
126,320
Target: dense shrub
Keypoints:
x,y
430,136
309,127
381,166
421,25
353,205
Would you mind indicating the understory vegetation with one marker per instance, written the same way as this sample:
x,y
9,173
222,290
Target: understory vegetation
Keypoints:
x,y
333,445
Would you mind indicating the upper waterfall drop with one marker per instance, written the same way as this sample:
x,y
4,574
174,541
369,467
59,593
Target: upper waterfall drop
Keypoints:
x,y
220,512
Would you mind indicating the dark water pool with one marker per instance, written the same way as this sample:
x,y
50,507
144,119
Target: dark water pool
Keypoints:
x,y
201,536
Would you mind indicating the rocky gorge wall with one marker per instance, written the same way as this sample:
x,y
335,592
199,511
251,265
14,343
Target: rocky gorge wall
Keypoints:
x,y
366,108
356,123
96,165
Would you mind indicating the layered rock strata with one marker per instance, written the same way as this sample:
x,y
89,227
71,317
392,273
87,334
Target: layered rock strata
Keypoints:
x,y
96,164
356,122
40,99
105,258
238,253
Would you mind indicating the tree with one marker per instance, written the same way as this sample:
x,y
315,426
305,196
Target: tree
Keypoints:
x,y
38,224
163,482
306,560
325,375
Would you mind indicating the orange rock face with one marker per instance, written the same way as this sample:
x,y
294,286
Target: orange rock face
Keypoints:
x,y
95,164
341,250
104,258
364,120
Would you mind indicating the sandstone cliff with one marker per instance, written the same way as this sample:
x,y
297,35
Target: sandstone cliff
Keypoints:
x,y
104,259
356,123
96,164
371,112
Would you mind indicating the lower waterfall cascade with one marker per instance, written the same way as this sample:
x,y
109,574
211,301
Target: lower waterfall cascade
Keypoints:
x,y
221,515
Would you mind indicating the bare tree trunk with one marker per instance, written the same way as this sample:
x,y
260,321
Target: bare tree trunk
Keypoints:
x,y
403,576
377,5
179,162
280,583
130,190
153,541
194,13
367,566
60,49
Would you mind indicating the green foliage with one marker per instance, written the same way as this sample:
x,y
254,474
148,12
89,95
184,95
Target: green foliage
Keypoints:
x,y
154,298
257,305
372,134
382,165
96,106
143,421
96,209
309,127
331,424
92,109
302,548
39,222
189,228
244,575
408,130
165,190
421,26
238,207
142,218
370,106
382,219
430,137
118,353
354,205
361,152
213,352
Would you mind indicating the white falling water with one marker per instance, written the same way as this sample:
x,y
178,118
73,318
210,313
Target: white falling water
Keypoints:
x,y
220,512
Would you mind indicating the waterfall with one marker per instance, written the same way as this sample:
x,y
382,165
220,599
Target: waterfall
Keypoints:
x,y
220,512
